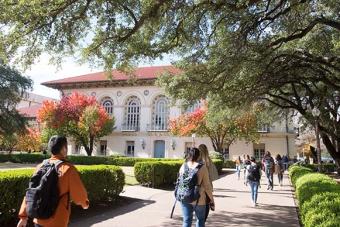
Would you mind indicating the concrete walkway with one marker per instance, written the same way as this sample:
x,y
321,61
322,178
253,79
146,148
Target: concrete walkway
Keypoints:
x,y
233,207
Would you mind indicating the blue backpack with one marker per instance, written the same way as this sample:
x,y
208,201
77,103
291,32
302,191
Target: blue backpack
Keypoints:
x,y
187,188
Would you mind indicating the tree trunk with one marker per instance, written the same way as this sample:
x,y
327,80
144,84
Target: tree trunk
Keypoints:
x,y
332,150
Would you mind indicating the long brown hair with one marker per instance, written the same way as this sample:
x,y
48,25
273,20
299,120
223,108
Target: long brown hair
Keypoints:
x,y
204,154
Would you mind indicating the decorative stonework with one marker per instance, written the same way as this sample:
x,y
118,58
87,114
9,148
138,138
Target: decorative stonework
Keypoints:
x,y
119,93
146,92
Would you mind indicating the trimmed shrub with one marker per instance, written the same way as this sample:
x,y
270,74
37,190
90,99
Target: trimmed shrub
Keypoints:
x,y
157,174
230,164
80,160
103,183
219,164
322,210
215,155
314,183
162,173
296,171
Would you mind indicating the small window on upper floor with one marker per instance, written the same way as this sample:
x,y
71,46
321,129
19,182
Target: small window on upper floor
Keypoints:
x,y
107,103
193,107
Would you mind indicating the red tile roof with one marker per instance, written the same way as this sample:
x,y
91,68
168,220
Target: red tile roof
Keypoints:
x,y
145,73
30,112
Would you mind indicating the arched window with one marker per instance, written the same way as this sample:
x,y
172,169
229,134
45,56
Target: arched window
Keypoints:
x,y
132,114
193,107
160,114
107,103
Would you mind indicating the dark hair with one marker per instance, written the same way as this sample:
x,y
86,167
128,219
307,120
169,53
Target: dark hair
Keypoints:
x,y
252,159
193,154
56,143
278,157
268,153
248,157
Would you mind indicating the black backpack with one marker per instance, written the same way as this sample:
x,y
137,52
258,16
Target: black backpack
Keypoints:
x,y
42,195
187,188
254,173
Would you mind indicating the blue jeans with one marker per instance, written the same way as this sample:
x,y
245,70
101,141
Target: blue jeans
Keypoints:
x,y
269,175
238,170
188,210
254,186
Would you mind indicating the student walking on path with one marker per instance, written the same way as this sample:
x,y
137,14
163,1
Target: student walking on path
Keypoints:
x,y
246,163
238,163
254,177
279,168
65,183
268,164
194,189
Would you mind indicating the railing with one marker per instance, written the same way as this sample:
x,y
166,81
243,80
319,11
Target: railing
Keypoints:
x,y
157,127
264,129
130,128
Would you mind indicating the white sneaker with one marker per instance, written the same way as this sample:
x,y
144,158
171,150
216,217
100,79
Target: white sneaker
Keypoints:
x,y
254,204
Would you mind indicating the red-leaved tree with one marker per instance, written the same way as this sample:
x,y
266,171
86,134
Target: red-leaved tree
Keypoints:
x,y
223,126
78,116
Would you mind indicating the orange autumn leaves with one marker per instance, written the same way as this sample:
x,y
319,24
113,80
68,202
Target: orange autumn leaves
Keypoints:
x,y
76,110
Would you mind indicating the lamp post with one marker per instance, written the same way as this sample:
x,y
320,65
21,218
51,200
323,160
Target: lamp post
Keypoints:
x,y
193,139
316,114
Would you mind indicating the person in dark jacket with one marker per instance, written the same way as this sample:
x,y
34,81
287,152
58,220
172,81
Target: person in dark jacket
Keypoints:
x,y
254,177
269,168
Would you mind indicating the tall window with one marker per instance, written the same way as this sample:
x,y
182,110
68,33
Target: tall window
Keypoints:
x,y
132,114
107,103
160,114
259,151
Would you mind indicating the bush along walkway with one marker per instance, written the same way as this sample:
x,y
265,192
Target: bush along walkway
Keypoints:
x,y
233,207
318,196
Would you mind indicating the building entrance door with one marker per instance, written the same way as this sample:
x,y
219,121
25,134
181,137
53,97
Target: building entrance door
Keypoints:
x,y
159,149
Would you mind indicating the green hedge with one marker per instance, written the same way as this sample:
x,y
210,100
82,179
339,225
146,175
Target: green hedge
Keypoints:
x,y
296,171
318,196
230,164
219,164
162,173
80,160
103,183
322,210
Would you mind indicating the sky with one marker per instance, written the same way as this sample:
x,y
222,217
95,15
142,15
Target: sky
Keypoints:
x,y
42,71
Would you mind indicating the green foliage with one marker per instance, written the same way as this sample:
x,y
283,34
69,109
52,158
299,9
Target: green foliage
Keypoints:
x,y
322,210
230,164
162,173
311,184
12,87
80,160
219,164
215,155
318,196
103,183
296,172
157,174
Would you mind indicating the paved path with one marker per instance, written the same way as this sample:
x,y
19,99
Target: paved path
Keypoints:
x,y
233,208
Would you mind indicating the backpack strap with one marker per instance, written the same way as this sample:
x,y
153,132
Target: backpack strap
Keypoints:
x,y
45,162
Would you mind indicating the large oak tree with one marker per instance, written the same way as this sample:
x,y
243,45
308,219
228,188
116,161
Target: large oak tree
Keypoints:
x,y
285,52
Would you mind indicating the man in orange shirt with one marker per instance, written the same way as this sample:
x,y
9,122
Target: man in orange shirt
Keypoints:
x,y
69,184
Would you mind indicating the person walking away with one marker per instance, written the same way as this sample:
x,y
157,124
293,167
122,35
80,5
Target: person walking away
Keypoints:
x,y
238,164
213,172
206,160
246,163
54,183
279,169
254,177
268,164
285,162
193,189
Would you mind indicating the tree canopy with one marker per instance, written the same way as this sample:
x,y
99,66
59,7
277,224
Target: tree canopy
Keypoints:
x,y
12,88
77,116
222,125
285,52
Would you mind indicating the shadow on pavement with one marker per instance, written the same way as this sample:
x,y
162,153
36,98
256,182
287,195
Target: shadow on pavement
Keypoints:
x,y
99,213
220,219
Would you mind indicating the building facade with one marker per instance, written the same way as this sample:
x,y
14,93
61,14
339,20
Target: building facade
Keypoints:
x,y
141,111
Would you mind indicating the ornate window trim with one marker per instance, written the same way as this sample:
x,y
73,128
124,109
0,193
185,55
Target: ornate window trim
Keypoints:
x,y
107,103
132,114
160,113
